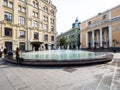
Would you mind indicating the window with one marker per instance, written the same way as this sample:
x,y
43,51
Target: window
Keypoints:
x,y
89,22
24,9
24,0
8,16
8,31
33,13
104,16
21,20
45,9
45,26
10,4
52,38
35,4
22,46
52,12
36,35
36,14
46,37
45,18
19,8
52,21
46,0
5,3
52,28
35,24
22,33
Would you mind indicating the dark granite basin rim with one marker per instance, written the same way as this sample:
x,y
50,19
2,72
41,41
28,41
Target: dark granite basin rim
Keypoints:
x,y
105,58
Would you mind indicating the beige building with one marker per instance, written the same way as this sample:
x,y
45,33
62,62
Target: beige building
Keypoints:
x,y
102,30
28,24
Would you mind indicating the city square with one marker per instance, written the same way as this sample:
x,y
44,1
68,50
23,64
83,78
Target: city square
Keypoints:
x,y
37,54
104,76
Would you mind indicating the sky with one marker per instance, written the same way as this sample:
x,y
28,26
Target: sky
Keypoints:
x,y
68,10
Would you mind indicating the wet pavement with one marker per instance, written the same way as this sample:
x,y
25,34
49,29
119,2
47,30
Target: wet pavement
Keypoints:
x,y
104,76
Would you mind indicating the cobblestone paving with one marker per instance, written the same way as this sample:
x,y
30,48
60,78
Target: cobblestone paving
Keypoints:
x,y
90,77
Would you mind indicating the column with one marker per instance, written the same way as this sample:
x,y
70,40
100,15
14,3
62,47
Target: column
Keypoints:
x,y
86,39
80,41
110,35
105,39
93,39
97,39
100,37
105,36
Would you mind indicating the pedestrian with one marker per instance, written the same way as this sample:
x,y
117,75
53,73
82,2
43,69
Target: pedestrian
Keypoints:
x,y
18,55
5,51
1,51
0,54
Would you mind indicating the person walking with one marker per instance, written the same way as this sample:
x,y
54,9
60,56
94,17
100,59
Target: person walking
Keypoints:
x,y
1,52
5,51
18,55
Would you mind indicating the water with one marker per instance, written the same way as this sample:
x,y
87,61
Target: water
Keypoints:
x,y
61,55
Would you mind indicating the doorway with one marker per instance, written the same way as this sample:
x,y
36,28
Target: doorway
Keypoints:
x,y
36,47
8,45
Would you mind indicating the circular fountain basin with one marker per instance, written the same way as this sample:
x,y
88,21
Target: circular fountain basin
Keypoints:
x,y
64,57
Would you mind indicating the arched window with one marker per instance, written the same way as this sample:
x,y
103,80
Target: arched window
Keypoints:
x,y
52,12
5,2
43,8
46,9
35,3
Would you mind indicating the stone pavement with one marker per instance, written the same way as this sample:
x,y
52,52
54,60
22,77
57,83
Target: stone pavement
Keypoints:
x,y
89,77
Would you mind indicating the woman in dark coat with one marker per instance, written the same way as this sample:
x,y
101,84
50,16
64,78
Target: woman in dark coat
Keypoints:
x,y
18,55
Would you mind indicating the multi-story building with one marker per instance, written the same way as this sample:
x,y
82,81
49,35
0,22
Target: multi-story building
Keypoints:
x,y
28,24
72,36
102,30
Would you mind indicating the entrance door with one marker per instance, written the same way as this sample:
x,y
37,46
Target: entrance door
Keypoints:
x,y
36,47
52,46
46,46
89,45
8,45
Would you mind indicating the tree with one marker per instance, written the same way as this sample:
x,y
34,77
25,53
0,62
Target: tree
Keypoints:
x,y
63,42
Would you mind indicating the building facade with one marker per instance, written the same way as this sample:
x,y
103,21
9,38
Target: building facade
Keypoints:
x,y
102,31
72,36
28,24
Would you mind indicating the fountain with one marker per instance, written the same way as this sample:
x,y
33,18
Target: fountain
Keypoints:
x,y
62,57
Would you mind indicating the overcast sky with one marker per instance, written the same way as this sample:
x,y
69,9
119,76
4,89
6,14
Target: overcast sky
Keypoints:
x,y
68,10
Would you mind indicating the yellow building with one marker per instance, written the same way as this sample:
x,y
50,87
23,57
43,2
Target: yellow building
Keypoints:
x,y
102,31
28,24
